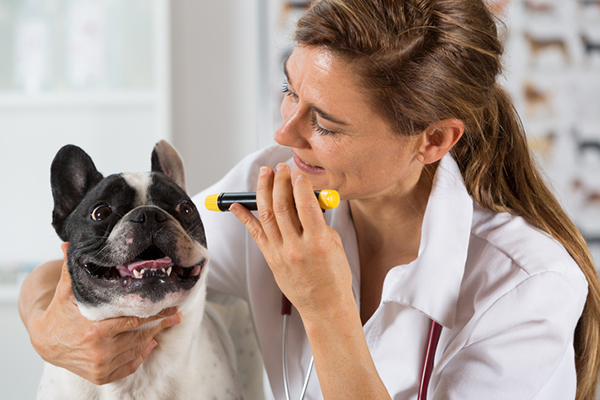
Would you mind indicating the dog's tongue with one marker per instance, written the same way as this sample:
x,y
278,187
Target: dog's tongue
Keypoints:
x,y
127,268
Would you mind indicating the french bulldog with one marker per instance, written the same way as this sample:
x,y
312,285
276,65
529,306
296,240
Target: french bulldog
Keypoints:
x,y
137,246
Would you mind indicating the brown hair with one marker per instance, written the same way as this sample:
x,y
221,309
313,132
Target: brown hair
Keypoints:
x,y
422,61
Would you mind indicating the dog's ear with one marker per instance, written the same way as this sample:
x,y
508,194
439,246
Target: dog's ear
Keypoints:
x,y
167,160
72,175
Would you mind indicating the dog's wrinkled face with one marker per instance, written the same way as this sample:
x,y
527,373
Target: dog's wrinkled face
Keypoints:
x,y
137,243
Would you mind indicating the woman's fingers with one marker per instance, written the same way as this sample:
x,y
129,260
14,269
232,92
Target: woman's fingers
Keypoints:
x,y
252,224
64,289
284,205
137,355
283,209
124,324
264,193
130,339
137,344
106,371
270,208
115,358
308,208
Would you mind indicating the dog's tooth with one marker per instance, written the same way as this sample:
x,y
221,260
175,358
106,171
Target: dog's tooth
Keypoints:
x,y
142,271
169,271
136,273
163,270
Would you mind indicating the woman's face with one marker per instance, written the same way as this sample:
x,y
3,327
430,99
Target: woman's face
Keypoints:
x,y
338,141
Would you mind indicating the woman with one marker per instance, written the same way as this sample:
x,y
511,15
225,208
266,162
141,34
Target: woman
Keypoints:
x,y
395,105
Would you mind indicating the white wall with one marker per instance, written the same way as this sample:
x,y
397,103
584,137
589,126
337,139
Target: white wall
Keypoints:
x,y
215,85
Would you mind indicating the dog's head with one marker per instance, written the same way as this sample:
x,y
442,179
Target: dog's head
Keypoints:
x,y
137,243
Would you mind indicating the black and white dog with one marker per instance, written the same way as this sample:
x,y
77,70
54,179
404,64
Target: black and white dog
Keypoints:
x,y
137,246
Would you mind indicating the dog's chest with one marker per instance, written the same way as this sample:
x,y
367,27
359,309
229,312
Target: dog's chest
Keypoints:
x,y
202,371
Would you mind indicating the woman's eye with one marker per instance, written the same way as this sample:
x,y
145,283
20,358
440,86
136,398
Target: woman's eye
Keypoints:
x,y
318,128
184,208
101,212
287,91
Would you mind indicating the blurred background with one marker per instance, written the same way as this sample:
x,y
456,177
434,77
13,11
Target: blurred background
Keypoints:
x,y
115,76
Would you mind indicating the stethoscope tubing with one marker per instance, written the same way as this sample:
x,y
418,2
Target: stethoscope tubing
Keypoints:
x,y
284,364
435,330
286,311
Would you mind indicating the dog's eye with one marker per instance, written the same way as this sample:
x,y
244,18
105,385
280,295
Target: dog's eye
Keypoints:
x,y
184,208
101,212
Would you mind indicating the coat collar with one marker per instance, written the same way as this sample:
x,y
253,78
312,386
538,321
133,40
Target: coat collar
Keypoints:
x,y
431,283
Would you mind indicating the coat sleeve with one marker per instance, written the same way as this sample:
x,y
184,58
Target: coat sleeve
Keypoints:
x,y
522,346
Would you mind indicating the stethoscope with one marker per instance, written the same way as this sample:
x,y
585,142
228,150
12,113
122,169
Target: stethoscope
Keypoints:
x,y
435,330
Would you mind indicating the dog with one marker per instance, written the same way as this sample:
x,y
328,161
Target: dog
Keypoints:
x,y
537,100
585,144
589,45
541,7
539,45
137,246
543,144
585,3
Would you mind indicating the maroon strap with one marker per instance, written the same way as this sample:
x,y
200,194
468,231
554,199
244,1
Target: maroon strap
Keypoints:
x,y
434,337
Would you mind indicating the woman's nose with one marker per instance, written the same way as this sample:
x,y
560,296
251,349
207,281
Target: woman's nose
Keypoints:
x,y
294,129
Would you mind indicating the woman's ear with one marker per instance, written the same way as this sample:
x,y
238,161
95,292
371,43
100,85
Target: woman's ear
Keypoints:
x,y
438,139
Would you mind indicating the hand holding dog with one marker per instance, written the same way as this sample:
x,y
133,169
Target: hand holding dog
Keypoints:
x,y
99,351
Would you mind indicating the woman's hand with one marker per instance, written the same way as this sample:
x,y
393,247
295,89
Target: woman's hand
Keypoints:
x,y
311,268
99,351
305,255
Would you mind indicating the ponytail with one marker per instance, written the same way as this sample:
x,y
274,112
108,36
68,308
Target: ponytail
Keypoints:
x,y
500,174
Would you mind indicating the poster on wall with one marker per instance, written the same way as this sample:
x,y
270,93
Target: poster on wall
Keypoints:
x,y
552,65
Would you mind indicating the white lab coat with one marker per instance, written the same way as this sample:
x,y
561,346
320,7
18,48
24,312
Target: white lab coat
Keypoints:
x,y
507,295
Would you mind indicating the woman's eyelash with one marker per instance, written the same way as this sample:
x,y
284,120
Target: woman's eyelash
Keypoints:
x,y
318,128
286,89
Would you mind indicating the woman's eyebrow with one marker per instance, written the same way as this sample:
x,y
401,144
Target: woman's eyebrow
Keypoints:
x,y
316,109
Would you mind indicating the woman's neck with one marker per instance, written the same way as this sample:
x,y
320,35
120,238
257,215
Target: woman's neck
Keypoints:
x,y
392,224
388,233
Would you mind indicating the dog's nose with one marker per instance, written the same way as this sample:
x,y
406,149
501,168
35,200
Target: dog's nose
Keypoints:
x,y
148,215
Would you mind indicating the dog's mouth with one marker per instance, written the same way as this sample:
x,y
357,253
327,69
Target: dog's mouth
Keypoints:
x,y
151,263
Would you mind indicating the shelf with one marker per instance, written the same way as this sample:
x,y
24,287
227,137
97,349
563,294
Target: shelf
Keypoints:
x,y
113,99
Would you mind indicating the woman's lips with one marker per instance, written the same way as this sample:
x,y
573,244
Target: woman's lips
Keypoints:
x,y
306,167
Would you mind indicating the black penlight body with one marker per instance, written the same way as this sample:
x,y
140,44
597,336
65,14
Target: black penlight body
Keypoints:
x,y
247,199
222,201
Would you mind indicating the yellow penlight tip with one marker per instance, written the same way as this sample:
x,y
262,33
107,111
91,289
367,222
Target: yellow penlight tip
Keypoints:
x,y
211,202
329,199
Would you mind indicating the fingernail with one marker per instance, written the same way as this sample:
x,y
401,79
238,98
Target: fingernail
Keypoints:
x,y
153,343
281,166
263,170
175,319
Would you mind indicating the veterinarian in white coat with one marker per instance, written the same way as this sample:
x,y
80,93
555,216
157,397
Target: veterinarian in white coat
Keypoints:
x,y
507,308
394,105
